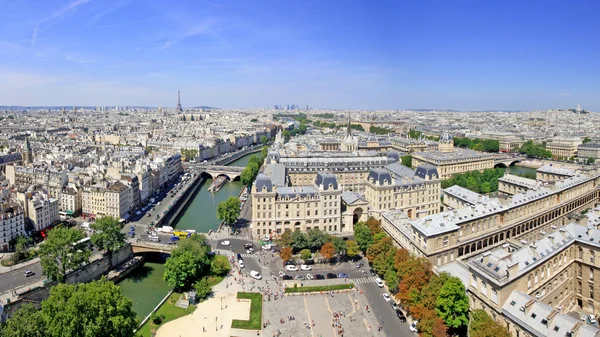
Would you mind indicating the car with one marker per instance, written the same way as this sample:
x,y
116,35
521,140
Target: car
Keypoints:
x,y
401,316
255,274
281,273
413,326
386,297
138,213
394,305
343,275
372,272
319,277
148,214
287,277
592,319
331,275
310,277
248,245
241,263
274,278
358,265
379,282
299,277
305,267
29,273
291,268
225,243
239,256
249,250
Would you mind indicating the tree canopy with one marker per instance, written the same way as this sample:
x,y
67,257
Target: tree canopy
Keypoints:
x,y
483,145
406,160
107,234
59,254
187,263
452,303
328,250
229,210
352,249
482,325
476,181
363,236
532,149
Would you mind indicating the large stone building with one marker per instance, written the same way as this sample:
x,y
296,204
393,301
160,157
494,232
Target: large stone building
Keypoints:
x,y
106,198
276,207
52,179
70,200
589,150
397,187
448,160
563,148
41,210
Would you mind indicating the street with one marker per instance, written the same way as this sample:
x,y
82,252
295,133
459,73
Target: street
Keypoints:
x,y
16,278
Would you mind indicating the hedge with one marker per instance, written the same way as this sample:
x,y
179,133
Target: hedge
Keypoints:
x,y
319,288
254,323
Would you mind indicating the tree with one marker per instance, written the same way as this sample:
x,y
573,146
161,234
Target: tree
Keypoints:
x,y
328,250
430,325
264,152
407,160
26,321
590,161
315,238
264,139
229,210
586,140
59,254
286,238
90,309
299,240
452,304
21,252
482,325
363,236
339,244
108,235
374,225
379,254
305,254
285,254
188,262
219,266
391,279
203,288
352,249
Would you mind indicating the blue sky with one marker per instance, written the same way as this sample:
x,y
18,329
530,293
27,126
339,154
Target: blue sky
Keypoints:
x,y
470,55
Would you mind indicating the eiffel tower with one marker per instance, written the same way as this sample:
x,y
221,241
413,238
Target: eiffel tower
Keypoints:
x,y
178,108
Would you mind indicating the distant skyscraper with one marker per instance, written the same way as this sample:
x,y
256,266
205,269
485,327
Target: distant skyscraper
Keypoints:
x,y
179,108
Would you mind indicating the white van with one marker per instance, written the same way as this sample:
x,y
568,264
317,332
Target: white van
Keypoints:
x,y
255,274
154,238
241,263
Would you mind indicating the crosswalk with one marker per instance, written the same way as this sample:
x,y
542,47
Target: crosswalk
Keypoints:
x,y
363,280
248,255
236,237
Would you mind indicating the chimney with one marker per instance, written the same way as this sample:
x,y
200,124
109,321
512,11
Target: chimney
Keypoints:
x,y
513,269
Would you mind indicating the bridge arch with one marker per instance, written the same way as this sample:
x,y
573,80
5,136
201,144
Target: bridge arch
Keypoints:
x,y
507,163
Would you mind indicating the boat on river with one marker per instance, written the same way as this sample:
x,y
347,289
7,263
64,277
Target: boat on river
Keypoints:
x,y
217,184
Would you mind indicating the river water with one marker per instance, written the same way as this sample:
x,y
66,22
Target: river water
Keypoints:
x,y
145,285
520,170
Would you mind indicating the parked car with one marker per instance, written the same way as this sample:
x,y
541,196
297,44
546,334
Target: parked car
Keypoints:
x,y
287,277
291,268
319,277
29,273
373,273
379,282
386,297
343,275
401,316
310,277
331,275
241,263
592,319
305,267
299,277
256,274
413,326
394,305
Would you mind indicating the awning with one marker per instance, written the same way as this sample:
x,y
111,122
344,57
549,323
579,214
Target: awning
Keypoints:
x,y
69,212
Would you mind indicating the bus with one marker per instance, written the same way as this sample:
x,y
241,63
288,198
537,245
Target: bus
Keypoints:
x,y
83,243
182,234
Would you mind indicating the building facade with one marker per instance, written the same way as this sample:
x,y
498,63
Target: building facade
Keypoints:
x,y
589,150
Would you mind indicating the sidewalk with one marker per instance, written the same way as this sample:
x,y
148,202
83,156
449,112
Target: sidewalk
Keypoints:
x,y
4,269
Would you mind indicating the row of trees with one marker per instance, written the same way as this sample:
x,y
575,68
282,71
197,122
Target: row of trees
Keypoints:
x,y
414,134
95,309
439,303
380,130
313,241
189,154
406,160
532,149
251,170
483,145
476,181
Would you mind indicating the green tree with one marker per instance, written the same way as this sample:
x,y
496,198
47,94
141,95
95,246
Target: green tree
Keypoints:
x,y
352,249
254,120
264,152
316,239
452,303
590,161
90,309
229,210
299,240
286,238
586,140
26,321
407,160
264,139
391,279
21,252
188,262
363,236
203,288
379,254
58,254
305,254
108,235
482,325
219,266
339,244
286,135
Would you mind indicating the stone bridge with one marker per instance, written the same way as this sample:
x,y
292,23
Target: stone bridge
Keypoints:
x,y
151,247
231,172
501,160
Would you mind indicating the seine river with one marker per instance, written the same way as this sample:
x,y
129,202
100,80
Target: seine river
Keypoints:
x,y
145,285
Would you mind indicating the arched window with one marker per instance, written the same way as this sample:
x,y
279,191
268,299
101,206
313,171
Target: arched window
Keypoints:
x,y
591,256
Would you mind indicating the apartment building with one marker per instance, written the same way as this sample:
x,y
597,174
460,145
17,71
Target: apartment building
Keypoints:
x,y
106,198
589,150
52,179
12,223
276,207
513,184
549,173
563,148
397,187
70,200
41,210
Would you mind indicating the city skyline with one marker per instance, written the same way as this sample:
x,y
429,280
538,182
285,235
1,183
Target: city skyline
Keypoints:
x,y
339,55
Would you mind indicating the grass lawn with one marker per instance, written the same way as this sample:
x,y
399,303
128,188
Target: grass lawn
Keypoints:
x,y
319,288
255,312
171,312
